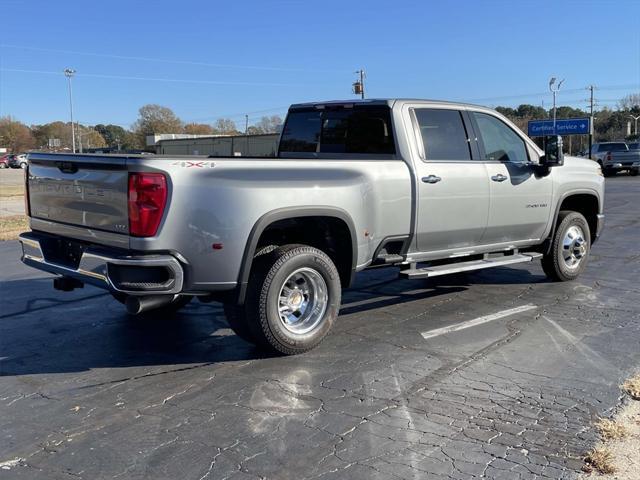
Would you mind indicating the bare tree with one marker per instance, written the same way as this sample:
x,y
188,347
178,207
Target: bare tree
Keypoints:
x,y
225,126
272,124
630,102
154,119
198,129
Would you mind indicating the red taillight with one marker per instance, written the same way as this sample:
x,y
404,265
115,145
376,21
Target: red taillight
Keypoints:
x,y
147,199
608,157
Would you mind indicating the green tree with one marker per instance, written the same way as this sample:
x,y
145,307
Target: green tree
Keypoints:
x,y
88,137
568,112
15,135
530,111
53,130
116,137
507,111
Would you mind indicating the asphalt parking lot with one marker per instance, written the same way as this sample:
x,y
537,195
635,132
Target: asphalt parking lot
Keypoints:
x,y
86,392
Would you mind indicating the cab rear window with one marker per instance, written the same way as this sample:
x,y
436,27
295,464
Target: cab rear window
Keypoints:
x,y
612,147
361,129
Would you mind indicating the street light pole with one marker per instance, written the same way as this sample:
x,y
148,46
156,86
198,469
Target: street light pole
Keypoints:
x,y
69,72
635,122
554,91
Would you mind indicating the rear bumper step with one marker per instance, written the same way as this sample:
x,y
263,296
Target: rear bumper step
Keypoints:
x,y
458,267
133,275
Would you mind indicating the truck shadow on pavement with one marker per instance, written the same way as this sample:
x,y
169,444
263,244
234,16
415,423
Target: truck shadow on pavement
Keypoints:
x,y
43,332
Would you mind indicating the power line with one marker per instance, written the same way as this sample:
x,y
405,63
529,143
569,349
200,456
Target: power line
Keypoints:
x,y
238,115
152,79
163,60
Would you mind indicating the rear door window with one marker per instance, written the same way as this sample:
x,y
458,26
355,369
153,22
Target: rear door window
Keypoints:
x,y
357,130
443,133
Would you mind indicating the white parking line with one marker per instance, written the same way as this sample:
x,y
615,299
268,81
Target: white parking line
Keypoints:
x,y
477,321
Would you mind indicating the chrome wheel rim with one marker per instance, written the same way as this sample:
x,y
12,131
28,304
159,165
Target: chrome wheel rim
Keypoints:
x,y
574,247
302,301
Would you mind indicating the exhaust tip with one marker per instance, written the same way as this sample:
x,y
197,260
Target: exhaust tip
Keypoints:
x,y
136,305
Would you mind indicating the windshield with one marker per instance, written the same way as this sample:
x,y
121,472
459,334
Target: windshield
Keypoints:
x,y
358,130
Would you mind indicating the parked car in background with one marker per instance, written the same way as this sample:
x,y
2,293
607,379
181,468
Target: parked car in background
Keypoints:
x,y
4,160
635,146
18,161
614,157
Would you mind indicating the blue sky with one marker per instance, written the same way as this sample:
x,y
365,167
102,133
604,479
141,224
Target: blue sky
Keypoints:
x,y
208,59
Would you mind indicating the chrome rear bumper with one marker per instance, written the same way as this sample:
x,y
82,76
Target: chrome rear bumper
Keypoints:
x,y
105,269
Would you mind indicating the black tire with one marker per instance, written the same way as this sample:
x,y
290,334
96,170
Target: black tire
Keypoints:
x,y
268,277
553,263
235,314
237,321
634,172
171,309
607,172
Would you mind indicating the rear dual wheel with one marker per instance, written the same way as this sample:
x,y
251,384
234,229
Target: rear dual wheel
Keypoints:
x,y
293,299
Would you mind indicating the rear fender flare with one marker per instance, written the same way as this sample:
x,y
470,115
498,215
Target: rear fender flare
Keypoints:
x,y
282,214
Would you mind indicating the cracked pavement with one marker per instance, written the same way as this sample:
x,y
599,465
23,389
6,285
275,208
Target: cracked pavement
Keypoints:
x,y
86,392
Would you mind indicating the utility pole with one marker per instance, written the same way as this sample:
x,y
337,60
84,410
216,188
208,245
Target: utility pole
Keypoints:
x,y
246,125
69,72
358,85
591,88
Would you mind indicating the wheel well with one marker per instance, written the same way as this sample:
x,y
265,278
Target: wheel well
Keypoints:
x,y
587,205
329,234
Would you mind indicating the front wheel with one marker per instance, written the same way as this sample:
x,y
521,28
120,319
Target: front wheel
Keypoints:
x,y
293,299
570,248
634,172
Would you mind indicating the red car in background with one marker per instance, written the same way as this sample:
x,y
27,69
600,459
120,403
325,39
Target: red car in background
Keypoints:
x,y
4,160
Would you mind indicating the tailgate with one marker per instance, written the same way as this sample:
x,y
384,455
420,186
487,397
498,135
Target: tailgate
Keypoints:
x,y
80,190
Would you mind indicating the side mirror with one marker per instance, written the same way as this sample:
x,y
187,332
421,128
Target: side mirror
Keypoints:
x,y
553,155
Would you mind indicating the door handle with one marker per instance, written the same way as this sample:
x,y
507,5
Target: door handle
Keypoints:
x,y
431,179
499,178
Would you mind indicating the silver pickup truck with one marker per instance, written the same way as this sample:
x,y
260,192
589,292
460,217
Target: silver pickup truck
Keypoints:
x,y
614,157
429,187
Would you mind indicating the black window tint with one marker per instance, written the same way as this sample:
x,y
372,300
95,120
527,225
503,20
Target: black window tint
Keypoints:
x,y
613,147
500,141
443,134
301,133
361,129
